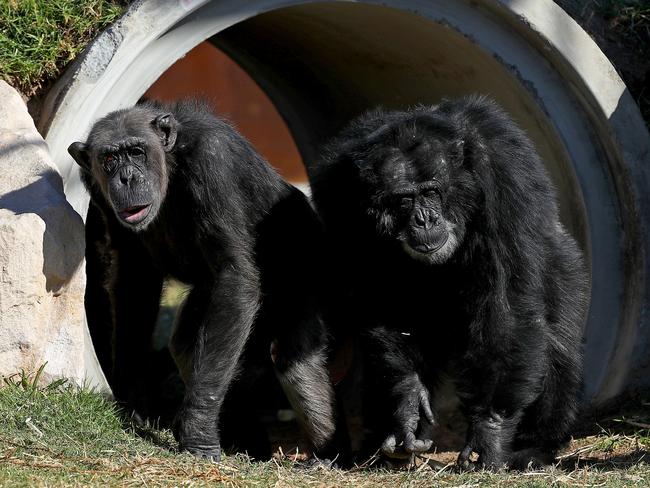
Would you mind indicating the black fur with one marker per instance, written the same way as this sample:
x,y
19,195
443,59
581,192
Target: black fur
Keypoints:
x,y
182,194
447,230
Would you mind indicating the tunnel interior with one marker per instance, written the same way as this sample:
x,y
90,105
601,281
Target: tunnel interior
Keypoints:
x,y
209,74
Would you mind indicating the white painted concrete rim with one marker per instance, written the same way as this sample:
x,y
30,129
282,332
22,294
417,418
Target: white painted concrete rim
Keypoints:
x,y
526,35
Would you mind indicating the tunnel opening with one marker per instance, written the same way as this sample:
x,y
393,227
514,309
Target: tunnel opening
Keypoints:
x,y
321,63
316,91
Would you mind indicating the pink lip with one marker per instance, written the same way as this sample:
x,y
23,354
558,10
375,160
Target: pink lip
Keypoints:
x,y
134,214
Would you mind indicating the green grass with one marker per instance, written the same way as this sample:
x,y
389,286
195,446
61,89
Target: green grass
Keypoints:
x,y
38,37
60,435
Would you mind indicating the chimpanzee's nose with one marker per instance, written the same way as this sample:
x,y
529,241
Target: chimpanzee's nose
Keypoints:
x,y
425,218
126,175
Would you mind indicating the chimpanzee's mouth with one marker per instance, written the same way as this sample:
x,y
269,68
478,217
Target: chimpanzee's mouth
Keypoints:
x,y
135,213
430,248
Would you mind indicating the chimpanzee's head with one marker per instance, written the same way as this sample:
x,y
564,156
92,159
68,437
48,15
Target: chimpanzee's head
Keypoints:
x,y
125,156
421,189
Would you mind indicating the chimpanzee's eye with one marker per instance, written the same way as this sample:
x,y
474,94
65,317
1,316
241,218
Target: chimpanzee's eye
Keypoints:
x,y
136,151
109,163
406,203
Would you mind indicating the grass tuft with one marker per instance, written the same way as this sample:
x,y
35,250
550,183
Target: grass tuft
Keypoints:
x,y
38,37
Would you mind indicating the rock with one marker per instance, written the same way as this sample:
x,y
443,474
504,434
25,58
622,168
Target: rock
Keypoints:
x,y
42,278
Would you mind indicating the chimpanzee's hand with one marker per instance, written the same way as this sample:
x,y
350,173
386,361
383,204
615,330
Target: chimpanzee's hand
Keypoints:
x,y
489,437
197,434
413,418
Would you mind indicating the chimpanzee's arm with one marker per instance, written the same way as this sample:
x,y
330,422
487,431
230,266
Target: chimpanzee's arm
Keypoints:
x,y
214,325
399,365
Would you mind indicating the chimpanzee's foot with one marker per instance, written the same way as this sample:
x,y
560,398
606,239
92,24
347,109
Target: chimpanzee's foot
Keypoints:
x,y
464,462
318,463
211,453
531,458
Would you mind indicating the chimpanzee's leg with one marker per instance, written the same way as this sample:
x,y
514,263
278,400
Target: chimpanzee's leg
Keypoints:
x,y
300,358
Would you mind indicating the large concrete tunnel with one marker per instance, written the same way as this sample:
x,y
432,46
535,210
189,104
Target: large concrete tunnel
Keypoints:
x,y
322,63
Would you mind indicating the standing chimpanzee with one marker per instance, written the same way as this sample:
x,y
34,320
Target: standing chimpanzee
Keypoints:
x,y
448,231
183,194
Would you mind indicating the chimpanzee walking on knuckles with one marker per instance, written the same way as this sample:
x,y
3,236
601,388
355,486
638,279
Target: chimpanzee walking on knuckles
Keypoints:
x,y
183,194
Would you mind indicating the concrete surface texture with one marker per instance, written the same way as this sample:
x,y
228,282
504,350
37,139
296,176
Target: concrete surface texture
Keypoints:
x,y
324,62
42,317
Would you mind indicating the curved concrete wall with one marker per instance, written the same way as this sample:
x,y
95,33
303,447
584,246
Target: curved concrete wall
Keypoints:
x,y
324,62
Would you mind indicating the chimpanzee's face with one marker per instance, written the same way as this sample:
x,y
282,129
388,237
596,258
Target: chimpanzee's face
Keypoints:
x,y
418,183
125,156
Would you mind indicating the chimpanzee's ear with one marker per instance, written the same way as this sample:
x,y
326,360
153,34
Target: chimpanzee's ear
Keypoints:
x,y
79,152
165,126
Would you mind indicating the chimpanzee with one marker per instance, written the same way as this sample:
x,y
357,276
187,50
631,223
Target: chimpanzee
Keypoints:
x,y
446,227
183,194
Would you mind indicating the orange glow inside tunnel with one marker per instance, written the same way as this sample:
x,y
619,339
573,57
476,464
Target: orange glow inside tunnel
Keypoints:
x,y
208,73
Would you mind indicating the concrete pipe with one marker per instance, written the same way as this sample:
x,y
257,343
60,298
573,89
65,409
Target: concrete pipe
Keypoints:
x,y
324,62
